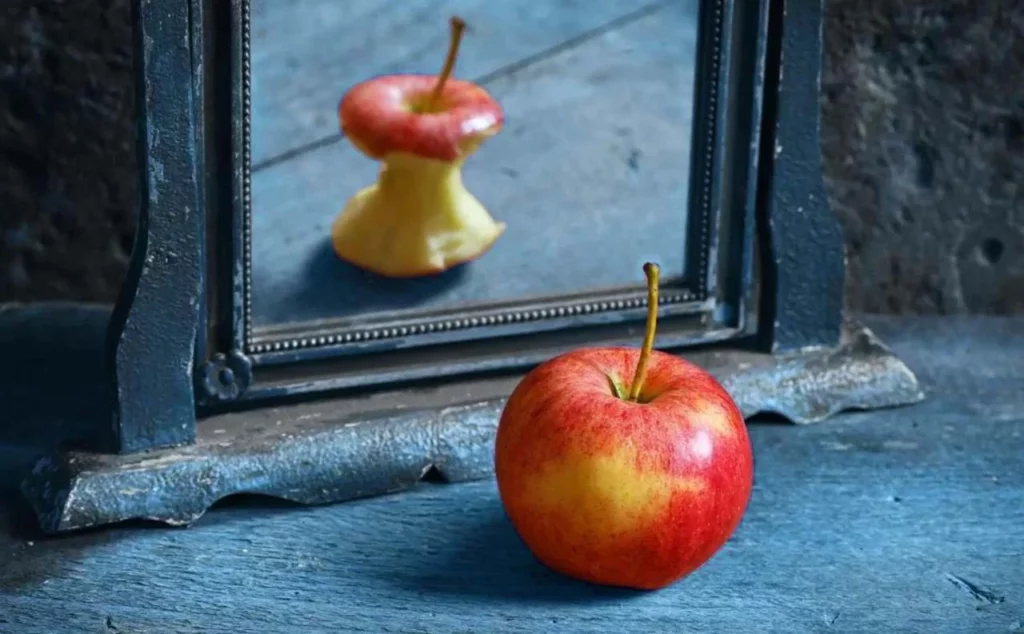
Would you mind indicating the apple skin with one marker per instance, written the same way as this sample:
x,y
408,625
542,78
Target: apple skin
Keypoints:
x,y
620,493
387,114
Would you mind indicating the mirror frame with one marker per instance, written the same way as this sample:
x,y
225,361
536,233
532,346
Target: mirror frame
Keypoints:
x,y
698,309
180,342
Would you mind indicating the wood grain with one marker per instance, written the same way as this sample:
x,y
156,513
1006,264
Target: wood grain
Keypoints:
x,y
908,520
590,174
307,53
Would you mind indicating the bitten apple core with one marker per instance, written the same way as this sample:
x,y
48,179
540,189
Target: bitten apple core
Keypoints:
x,y
418,218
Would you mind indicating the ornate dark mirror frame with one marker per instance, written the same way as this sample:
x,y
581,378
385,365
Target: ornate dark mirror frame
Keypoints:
x,y
181,344
190,288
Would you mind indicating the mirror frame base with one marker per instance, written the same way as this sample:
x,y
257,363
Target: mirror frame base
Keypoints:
x,y
310,454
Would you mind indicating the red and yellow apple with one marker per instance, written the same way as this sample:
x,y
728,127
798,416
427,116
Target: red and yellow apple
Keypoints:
x,y
623,467
418,218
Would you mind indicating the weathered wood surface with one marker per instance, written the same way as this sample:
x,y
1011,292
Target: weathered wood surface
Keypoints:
x,y
909,520
593,164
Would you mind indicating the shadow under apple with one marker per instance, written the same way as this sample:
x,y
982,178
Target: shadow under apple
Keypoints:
x,y
486,560
331,288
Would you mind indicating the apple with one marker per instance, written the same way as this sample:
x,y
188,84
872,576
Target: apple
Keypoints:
x,y
631,482
418,218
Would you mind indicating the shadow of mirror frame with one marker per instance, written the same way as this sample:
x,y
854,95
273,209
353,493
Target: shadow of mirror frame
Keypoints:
x,y
180,341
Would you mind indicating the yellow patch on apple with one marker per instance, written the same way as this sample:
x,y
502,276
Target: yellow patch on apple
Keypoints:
x,y
608,495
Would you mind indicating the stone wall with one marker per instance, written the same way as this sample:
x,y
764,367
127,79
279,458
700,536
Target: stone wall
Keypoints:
x,y
923,138
67,148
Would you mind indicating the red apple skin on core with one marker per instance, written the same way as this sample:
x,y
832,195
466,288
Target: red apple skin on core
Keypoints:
x,y
379,116
620,493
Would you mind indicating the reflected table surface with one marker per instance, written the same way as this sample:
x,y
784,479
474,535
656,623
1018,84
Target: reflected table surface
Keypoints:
x,y
908,520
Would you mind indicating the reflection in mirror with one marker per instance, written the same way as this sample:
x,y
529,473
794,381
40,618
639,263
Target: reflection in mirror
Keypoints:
x,y
586,179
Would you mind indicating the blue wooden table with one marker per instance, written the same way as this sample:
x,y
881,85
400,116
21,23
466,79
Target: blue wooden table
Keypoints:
x,y
909,520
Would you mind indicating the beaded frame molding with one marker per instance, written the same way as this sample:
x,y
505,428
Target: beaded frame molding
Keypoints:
x,y
765,252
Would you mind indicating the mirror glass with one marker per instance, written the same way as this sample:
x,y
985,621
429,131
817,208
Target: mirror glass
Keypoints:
x,y
553,164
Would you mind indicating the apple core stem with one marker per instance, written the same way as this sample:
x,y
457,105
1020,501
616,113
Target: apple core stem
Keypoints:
x,y
652,271
458,27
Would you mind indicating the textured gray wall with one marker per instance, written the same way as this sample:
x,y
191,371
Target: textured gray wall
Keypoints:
x,y
67,173
923,138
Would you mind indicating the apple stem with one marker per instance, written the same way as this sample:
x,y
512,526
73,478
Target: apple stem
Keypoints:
x,y
458,27
652,271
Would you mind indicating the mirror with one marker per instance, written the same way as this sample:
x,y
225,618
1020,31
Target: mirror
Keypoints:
x,y
586,178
